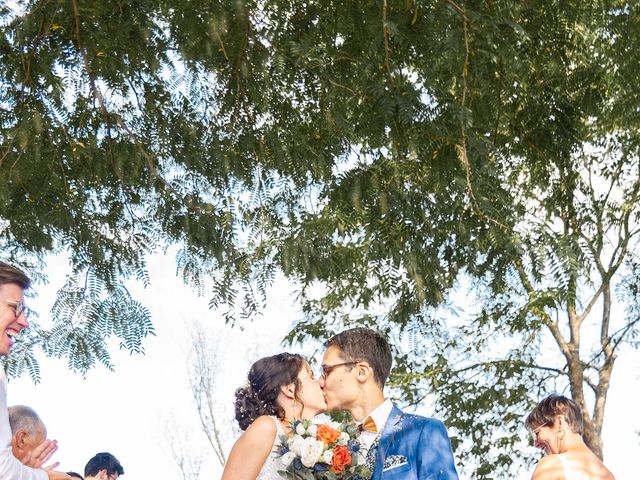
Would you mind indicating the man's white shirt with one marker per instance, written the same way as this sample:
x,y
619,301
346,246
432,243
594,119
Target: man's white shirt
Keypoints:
x,y
10,467
380,416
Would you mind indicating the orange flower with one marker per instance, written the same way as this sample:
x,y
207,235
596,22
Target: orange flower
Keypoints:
x,y
327,434
341,459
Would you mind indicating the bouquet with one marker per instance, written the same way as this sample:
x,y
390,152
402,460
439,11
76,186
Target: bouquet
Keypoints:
x,y
327,451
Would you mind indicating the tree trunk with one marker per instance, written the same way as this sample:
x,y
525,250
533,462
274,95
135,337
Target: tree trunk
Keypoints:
x,y
592,437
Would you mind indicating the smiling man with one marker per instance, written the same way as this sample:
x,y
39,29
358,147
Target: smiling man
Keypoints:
x,y
13,319
398,445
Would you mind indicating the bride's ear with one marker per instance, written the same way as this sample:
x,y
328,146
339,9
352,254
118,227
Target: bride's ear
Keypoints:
x,y
288,390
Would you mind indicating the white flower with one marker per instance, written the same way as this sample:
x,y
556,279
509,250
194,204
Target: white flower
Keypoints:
x,y
344,438
327,456
295,444
312,430
335,425
300,430
311,451
287,458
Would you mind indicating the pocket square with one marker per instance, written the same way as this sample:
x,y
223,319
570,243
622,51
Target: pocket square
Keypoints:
x,y
394,461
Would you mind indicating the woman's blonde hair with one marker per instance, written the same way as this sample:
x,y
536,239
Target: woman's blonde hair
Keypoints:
x,y
552,406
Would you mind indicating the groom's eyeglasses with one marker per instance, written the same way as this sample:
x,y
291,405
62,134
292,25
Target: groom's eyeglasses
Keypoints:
x,y
327,369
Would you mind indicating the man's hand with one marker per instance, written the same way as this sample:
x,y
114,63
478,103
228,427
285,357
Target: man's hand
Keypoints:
x,y
41,454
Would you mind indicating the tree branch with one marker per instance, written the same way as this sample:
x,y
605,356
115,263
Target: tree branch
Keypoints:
x,y
148,157
461,149
332,82
619,334
620,251
593,300
589,382
387,49
604,327
551,325
517,363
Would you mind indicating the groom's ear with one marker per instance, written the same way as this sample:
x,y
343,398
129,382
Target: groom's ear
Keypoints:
x,y
363,372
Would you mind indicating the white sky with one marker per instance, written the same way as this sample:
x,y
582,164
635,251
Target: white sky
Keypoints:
x,y
126,412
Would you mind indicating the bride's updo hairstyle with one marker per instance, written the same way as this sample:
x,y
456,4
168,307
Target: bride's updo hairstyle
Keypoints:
x,y
266,376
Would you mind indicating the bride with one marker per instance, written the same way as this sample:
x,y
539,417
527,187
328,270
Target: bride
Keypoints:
x,y
281,388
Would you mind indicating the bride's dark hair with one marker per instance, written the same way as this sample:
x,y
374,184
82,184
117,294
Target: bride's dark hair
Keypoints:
x,y
266,376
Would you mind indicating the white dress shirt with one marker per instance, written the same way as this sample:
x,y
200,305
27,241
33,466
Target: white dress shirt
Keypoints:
x,y
10,467
380,416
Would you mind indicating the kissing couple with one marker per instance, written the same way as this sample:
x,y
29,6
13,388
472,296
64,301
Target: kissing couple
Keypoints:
x,y
355,366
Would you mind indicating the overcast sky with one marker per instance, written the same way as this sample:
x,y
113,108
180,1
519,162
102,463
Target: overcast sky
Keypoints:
x,y
126,412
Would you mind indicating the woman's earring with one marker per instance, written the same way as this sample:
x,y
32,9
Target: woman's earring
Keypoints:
x,y
560,441
295,404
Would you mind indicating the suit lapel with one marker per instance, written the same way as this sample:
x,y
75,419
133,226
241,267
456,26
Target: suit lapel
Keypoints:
x,y
391,428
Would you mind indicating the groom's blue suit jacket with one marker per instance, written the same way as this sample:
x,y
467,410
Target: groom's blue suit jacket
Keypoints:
x,y
414,447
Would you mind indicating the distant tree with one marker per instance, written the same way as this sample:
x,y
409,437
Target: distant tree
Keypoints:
x,y
207,362
205,367
383,151
187,459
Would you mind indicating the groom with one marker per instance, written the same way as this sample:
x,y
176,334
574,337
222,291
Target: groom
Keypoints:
x,y
355,368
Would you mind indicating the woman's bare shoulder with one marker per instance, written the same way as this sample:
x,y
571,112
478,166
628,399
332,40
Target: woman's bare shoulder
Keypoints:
x,y
583,463
549,468
251,450
263,426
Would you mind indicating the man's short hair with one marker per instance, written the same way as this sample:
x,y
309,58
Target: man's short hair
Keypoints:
x,y
365,345
103,461
10,274
23,417
75,475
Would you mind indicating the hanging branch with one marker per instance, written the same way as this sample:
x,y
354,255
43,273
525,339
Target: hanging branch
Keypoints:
x,y
387,48
462,147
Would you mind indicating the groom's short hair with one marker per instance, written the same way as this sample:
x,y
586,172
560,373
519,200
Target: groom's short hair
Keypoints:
x,y
365,345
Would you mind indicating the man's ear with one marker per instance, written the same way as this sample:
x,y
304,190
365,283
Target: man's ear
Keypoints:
x,y
21,438
363,371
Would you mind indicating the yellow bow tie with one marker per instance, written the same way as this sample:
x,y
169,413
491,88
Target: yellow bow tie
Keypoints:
x,y
368,425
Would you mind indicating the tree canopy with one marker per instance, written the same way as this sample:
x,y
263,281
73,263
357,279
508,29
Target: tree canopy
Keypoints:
x,y
383,151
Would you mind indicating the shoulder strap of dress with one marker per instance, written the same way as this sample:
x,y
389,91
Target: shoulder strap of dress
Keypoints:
x,y
279,429
565,466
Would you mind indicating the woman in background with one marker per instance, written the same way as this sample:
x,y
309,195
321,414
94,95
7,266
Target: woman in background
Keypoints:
x,y
557,427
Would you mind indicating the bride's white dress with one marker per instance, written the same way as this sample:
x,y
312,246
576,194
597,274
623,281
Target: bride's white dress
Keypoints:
x,y
272,463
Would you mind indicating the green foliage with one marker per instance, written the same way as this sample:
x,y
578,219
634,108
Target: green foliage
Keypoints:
x,y
376,152
87,314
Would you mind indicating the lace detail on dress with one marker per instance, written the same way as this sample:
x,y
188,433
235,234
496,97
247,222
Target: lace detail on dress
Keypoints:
x,y
272,464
